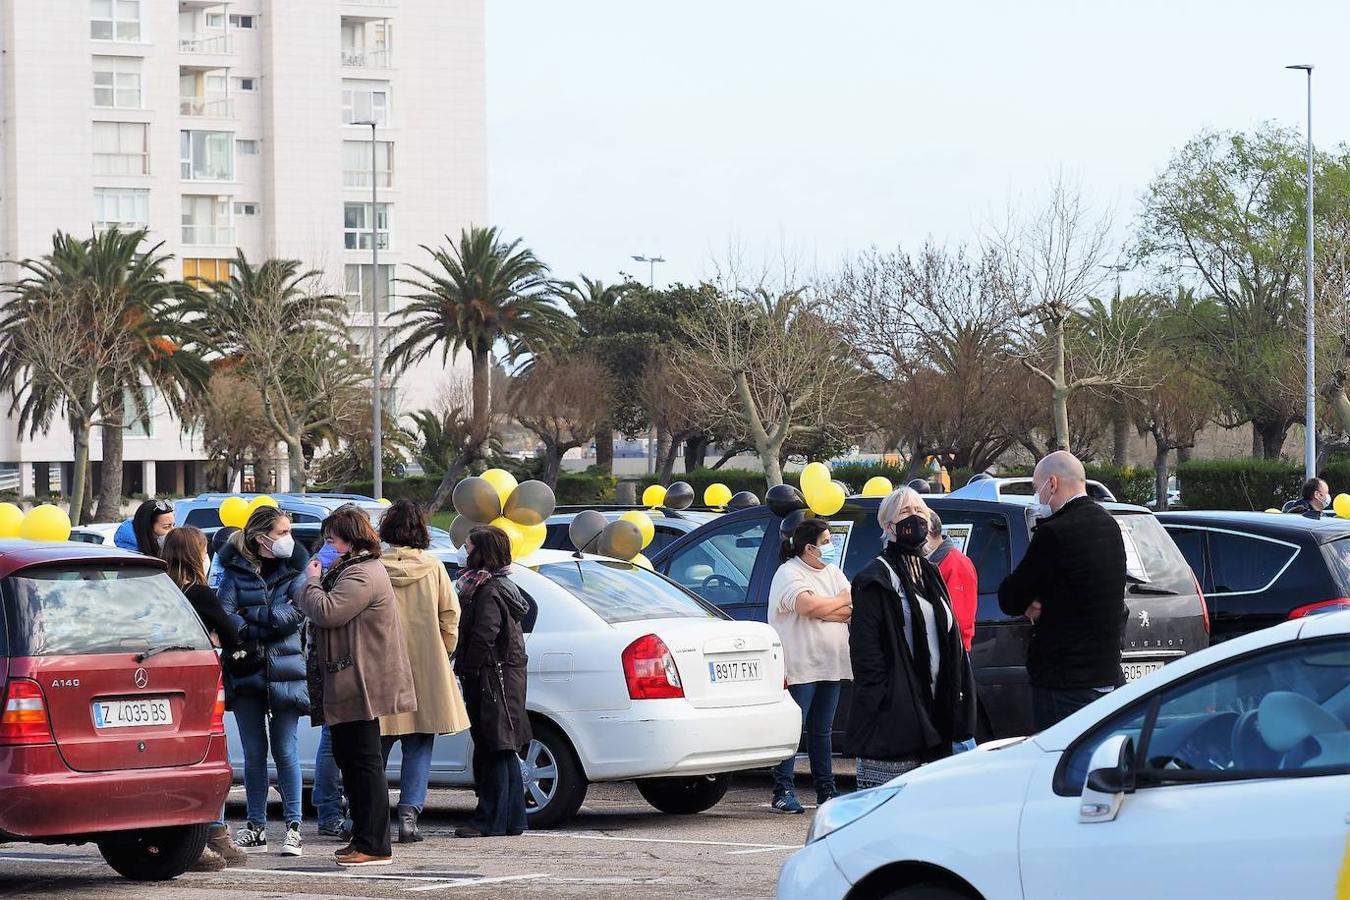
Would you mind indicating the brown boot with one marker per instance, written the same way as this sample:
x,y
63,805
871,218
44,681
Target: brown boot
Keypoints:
x,y
209,861
222,844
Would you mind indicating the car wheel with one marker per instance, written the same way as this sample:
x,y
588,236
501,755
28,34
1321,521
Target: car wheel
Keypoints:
x,y
555,786
684,796
156,854
929,891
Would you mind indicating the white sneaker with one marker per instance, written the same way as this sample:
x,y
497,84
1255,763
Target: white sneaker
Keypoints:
x,y
292,846
252,838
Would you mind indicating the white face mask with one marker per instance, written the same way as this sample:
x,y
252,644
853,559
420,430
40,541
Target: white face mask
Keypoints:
x,y
1041,509
283,547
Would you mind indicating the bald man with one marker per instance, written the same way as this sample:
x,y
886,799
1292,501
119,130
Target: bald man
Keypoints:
x,y
1071,585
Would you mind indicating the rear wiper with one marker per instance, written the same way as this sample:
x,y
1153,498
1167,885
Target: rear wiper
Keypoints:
x,y
1153,591
143,656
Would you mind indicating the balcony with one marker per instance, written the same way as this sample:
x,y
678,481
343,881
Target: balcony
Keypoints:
x,y
207,107
205,43
121,163
366,59
213,235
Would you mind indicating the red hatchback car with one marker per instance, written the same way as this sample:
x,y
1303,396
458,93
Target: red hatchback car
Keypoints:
x,y
112,725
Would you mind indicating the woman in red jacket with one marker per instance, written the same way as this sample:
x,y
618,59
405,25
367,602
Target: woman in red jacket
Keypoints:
x,y
958,573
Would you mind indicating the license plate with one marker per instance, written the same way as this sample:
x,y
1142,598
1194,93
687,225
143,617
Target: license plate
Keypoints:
x,y
736,670
147,712
1136,670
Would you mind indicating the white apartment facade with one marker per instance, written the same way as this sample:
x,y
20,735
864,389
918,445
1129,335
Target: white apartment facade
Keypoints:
x,y
233,124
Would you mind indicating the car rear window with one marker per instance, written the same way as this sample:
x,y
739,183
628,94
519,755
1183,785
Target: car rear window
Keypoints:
x,y
203,517
79,610
1151,556
623,592
1337,554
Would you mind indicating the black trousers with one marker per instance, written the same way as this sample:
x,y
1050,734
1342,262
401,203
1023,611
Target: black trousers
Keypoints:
x,y
501,793
357,751
1050,705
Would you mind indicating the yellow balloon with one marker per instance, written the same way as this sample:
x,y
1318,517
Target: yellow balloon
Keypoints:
x,y
643,522
514,532
11,519
503,481
260,500
1341,505
1273,510
654,495
385,501
717,496
532,537
814,477
234,512
827,500
877,486
643,561
45,523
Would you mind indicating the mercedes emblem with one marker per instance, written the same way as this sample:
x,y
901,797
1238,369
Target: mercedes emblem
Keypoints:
x,y
142,678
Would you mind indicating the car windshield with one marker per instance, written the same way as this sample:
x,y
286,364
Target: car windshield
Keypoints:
x,y
203,517
624,592
74,610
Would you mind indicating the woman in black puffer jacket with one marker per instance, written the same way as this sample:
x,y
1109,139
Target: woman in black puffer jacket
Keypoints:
x,y
264,572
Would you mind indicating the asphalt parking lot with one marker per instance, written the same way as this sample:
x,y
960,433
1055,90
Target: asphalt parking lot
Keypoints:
x,y
617,847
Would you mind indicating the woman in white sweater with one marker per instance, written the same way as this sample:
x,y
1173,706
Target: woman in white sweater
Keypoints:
x,y
809,606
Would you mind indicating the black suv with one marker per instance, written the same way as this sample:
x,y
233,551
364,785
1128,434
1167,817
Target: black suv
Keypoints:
x,y
1258,569
731,561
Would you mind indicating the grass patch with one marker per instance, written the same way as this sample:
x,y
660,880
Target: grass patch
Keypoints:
x,y
443,519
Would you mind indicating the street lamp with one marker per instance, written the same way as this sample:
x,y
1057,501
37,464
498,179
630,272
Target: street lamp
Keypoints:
x,y
1310,412
378,462
651,274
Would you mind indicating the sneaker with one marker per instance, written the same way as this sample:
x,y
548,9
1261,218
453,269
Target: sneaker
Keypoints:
x,y
357,859
823,797
787,803
292,847
252,837
335,829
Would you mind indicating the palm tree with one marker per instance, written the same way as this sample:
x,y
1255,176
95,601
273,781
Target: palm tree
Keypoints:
x,y
591,301
480,291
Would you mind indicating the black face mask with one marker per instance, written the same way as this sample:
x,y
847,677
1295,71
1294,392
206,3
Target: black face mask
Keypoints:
x,y
911,532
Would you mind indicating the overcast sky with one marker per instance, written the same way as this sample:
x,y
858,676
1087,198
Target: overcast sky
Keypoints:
x,y
621,127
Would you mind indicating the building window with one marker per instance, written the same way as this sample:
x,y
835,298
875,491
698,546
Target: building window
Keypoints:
x,y
115,20
359,289
356,225
206,270
214,20
246,85
237,21
134,424
206,155
246,148
121,148
206,220
356,163
246,209
125,208
365,101
117,82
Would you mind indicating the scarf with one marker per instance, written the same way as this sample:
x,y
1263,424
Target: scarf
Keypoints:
x,y
916,579
472,579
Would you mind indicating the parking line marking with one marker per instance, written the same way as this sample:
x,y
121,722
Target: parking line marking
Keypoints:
x,y
778,849
474,882
641,840
50,859
345,873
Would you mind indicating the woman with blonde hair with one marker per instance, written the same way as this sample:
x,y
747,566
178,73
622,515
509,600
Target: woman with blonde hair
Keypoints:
x,y
913,690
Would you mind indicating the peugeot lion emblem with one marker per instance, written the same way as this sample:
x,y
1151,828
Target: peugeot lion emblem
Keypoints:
x,y
142,678
1143,618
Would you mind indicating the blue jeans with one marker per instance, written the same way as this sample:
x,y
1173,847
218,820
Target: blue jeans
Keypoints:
x,y
257,731
818,700
415,769
327,781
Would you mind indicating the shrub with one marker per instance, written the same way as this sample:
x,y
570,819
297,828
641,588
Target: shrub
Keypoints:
x,y
1130,484
1245,484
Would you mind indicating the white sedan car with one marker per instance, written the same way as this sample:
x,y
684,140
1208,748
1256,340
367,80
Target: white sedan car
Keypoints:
x,y
1226,774
630,677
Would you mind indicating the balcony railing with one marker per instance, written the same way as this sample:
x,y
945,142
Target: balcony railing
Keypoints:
x,y
215,235
210,107
121,163
101,227
205,43
360,178
366,59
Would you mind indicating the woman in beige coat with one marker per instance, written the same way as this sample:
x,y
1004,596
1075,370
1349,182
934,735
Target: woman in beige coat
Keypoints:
x,y
429,611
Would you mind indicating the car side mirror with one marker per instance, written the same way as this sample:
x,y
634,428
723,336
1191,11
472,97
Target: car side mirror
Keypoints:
x,y
1110,777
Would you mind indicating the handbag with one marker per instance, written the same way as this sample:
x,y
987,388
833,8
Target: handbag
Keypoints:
x,y
246,659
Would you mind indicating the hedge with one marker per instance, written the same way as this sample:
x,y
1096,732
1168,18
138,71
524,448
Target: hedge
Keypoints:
x,y
1245,484
573,488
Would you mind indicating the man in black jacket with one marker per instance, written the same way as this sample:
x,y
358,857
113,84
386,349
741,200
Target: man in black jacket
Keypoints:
x,y
1071,584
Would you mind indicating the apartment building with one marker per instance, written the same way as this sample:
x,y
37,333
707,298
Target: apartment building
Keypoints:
x,y
239,124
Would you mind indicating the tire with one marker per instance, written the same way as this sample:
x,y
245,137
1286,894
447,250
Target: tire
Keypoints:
x,y
555,785
684,796
930,891
156,854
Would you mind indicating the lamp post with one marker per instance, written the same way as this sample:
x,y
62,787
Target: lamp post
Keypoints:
x,y
651,286
651,272
376,437
1310,411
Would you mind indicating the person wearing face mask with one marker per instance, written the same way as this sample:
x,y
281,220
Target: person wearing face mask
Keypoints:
x,y
264,576
913,689
810,603
1071,584
1313,499
151,524
958,574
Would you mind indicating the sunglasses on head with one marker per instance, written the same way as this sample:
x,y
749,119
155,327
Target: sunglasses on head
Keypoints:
x,y
163,506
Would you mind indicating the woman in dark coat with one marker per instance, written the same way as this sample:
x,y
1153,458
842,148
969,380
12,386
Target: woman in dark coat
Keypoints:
x,y
913,689
264,574
490,661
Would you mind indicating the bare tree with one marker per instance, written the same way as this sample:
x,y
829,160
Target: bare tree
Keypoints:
x,y
563,403
664,390
230,415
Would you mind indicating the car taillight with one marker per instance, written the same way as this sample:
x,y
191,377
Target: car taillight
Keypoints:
x,y
1204,607
218,713
24,720
650,670
1319,605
